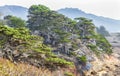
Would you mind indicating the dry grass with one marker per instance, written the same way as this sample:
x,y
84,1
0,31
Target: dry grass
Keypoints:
x,y
7,68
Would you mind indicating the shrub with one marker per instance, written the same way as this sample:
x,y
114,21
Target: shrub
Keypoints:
x,y
68,74
83,59
21,37
59,62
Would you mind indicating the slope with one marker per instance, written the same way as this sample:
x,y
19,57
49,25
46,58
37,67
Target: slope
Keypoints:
x,y
18,11
98,20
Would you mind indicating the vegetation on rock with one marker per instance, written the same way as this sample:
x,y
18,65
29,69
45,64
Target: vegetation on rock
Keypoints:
x,y
20,40
68,74
50,40
82,59
14,21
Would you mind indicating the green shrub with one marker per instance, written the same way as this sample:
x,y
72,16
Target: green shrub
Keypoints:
x,y
68,74
103,44
82,58
59,61
28,42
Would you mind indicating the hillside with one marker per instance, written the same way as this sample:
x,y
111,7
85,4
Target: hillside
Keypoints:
x,y
69,12
52,42
18,11
108,23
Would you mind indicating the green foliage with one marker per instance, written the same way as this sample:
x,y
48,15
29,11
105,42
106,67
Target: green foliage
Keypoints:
x,y
86,26
21,37
88,33
72,53
75,45
63,36
36,9
60,28
18,33
50,22
47,19
17,37
94,49
103,44
68,74
58,61
36,17
82,58
15,22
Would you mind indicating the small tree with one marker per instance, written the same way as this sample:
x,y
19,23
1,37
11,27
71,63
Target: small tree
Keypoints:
x,y
14,21
37,17
102,30
85,25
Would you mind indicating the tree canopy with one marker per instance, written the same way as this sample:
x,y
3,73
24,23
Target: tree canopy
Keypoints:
x,y
20,40
14,21
55,28
102,30
86,26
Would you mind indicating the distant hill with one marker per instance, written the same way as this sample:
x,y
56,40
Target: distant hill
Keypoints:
x,y
14,10
111,25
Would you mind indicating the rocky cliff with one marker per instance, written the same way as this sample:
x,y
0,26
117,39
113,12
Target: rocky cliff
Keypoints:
x,y
52,41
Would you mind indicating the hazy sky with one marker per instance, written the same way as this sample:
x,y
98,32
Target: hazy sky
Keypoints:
x,y
106,8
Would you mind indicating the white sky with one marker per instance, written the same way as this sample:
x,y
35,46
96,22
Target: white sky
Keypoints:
x,y
106,8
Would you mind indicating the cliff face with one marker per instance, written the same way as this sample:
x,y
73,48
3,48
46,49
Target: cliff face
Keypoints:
x,y
108,65
75,56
